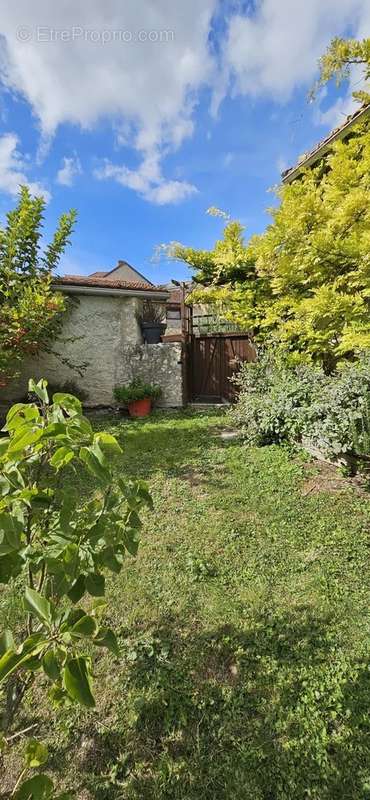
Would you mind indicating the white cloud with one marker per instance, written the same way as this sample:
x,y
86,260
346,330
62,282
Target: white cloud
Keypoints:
x,y
69,171
78,62
13,168
147,181
81,62
275,50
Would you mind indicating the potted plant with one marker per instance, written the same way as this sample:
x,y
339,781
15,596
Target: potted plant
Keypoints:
x,y
138,397
152,321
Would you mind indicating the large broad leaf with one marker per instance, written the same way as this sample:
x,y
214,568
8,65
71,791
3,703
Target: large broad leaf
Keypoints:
x,y
77,589
61,457
4,442
24,438
108,443
10,533
36,753
106,638
68,402
12,660
51,664
95,584
10,566
86,626
77,681
111,559
40,787
6,642
94,460
19,414
36,604
81,425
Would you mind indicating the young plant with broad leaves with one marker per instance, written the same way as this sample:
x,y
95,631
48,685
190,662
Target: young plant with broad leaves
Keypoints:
x,y
58,546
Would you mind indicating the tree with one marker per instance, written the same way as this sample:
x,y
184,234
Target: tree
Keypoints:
x,y
340,56
304,284
60,545
30,312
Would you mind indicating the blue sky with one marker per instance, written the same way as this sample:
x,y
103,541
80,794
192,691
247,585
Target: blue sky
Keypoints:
x,y
142,136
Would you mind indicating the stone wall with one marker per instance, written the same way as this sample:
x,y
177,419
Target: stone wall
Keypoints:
x,y
155,363
101,332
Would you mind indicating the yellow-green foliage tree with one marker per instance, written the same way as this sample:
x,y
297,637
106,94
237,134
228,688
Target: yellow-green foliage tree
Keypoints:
x,y
30,311
304,284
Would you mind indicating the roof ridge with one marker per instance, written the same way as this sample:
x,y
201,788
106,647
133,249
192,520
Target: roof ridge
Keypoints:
x,y
331,136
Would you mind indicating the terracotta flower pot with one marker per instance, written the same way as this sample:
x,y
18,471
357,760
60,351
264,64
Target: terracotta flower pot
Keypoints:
x,y
140,408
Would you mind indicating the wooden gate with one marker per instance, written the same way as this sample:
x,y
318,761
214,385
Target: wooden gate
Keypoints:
x,y
213,360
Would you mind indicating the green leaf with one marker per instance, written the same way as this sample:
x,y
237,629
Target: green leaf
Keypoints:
x,y
40,787
144,494
39,389
113,561
77,681
86,626
19,414
131,542
77,589
51,665
10,566
61,457
95,584
106,638
81,425
68,402
36,753
95,463
36,604
4,442
25,438
108,443
13,660
6,642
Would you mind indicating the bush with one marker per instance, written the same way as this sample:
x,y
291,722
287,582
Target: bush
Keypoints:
x,y
277,404
136,390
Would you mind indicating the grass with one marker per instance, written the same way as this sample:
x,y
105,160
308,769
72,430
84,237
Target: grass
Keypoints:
x,y
244,627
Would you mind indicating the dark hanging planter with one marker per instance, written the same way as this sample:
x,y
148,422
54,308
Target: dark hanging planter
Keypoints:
x,y
152,331
152,321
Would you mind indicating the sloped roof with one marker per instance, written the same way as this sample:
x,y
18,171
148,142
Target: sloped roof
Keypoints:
x,y
317,152
106,283
122,263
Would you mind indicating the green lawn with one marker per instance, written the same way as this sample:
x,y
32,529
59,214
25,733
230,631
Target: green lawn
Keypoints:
x,y
244,627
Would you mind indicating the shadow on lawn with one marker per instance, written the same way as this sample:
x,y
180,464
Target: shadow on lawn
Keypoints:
x,y
270,712
149,447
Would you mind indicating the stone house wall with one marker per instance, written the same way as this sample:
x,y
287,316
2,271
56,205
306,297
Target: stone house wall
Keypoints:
x,y
101,333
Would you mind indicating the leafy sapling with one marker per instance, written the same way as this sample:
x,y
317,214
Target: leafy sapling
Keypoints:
x,y
61,545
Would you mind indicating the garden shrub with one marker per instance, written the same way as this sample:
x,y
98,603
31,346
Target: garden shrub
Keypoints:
x,y
279,404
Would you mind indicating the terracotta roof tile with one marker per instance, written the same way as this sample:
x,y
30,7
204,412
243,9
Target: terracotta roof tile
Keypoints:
x,y
105,283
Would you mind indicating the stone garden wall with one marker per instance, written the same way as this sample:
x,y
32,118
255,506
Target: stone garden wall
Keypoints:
x,y
101,334
155,363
